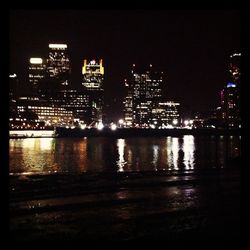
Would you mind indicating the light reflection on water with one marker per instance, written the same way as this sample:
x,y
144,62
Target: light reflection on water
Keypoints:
x,y
121,162
75,155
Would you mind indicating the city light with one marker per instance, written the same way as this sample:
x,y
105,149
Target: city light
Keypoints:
x,y
231,85
13,76
121,121
186,122
113,127
169,126
175,121
34,60
100,126
235,54
58,46
83,126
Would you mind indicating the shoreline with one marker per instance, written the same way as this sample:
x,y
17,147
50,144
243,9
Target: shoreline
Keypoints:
x,y
61,132
126,206
137,132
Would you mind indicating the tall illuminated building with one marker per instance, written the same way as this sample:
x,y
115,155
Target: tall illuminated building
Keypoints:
x,y
144,92
57,75
128,103
13,92
13,85
76,101
37,71
58,65
234,68
230,95
230,106
92,82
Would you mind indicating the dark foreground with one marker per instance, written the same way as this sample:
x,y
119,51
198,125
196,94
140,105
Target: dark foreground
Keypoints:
x,y
155,205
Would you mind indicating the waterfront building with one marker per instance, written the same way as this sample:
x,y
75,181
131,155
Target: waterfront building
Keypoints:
x,y
92,87
58,64
57,74
230,103
78,102
37,72
13,90
165,114
49,114
230,95
234,68
144,102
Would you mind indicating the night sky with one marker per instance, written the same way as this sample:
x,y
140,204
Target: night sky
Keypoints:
x,y
191,47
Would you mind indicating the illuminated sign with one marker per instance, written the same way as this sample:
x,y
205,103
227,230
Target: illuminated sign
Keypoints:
x,y
36,60
58,46
231,85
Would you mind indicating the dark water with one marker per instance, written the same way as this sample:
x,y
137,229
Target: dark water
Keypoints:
x,y
76,155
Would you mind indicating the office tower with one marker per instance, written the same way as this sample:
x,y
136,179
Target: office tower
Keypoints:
x,y
13,85
230,95
78,102
13,93
234,68
230,106
58,65
147,92
144,103
165,114
37,71
92,82
128,104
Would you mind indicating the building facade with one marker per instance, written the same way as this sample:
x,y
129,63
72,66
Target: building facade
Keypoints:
x,y
92,88
37,73
234,68
230,95
78,102
230,106
58,64
144,102
49,114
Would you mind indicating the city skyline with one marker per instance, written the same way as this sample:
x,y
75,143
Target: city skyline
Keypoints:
x,y
191,47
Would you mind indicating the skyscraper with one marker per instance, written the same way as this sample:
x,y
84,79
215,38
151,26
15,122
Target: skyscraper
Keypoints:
x,y
58,66
92,82
144,103
234,68
57,74
37,71
230,95
230,103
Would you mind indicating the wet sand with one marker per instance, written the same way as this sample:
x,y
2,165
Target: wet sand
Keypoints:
x,y
202,204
